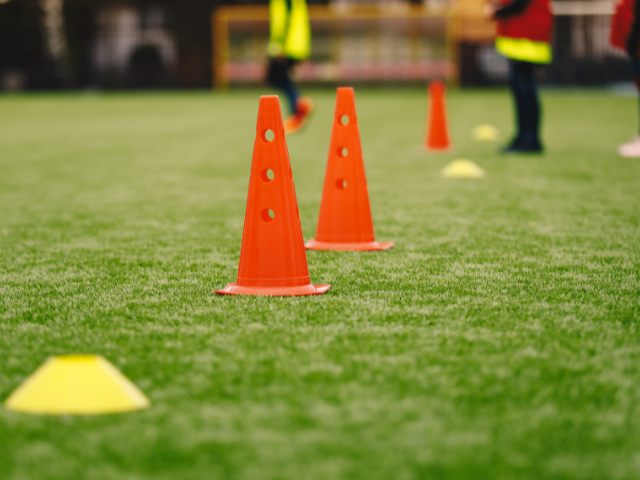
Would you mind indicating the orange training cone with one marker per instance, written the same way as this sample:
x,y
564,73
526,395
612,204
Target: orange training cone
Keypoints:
x,y
272,259
345,215
437,135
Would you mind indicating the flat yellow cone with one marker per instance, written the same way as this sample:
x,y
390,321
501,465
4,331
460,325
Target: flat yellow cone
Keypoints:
x,y
462,169
76,385
485,133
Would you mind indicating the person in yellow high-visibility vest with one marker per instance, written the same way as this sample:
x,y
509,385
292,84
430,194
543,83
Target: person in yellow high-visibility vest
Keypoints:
x,y
525,28
289,44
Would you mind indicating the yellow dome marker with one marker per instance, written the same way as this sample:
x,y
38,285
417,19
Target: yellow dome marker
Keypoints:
x,y
462,169
76,385
485,133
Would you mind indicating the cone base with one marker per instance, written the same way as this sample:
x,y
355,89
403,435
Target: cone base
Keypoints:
x,y
313,244
234,289
438,149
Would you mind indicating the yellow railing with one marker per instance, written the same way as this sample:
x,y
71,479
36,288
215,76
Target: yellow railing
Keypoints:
x,y
337,22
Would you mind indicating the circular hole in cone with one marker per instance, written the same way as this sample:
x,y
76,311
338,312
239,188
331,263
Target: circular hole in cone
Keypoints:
x,y
341,184
267,215
344,119
268,135
342,152
267,175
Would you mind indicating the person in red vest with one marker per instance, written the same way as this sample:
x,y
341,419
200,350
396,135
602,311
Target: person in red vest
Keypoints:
x,y
625,35
524,35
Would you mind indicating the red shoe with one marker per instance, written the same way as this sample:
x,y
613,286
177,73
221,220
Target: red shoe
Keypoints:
x,y
297,121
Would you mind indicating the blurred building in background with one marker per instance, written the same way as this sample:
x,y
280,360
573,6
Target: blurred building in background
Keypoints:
x,y
107,43
129,44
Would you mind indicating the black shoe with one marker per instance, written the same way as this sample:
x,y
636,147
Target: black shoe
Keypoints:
x,y
521,145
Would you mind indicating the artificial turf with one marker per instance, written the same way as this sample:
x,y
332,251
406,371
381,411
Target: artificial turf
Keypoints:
x,y
498,339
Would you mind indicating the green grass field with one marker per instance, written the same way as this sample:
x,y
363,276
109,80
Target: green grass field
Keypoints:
x,y
499,338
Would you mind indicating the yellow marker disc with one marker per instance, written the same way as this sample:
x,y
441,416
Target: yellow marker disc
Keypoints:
x,y
462,169
485,133
76,385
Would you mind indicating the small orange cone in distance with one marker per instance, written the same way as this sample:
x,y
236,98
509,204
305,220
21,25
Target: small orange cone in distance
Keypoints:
x,y
437,135
273,260
345,221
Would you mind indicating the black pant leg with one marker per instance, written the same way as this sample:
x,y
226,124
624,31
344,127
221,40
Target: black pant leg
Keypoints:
x,y
279,76
514,85
523,85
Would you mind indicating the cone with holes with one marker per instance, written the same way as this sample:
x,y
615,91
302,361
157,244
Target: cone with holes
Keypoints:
x,y
273,260
345,215
437,135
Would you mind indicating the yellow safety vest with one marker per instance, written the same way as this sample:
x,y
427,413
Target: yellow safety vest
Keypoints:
x,y
527,35
290,33
524,49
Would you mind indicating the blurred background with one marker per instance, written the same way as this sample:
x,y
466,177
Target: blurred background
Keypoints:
x,y
200,44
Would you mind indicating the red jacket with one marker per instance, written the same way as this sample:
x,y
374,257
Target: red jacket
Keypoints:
x,y
621,24
535,23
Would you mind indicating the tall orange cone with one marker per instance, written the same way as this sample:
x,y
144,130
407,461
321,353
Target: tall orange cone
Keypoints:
x,y
345,215
272,258
437,135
